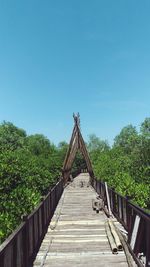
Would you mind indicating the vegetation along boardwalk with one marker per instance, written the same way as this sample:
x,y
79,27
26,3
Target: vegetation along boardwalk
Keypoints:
x,y
76,235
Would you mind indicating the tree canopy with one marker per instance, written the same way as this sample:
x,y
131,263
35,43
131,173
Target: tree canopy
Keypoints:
x,y
126,165
30,165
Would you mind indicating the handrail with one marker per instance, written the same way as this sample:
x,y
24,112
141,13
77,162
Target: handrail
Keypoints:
x,y
135,220
20,248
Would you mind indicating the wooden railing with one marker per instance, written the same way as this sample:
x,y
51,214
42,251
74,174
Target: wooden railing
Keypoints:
x,y
135,220
20,248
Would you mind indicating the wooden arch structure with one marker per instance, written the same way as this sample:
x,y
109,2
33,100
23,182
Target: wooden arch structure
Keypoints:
x,y
76,144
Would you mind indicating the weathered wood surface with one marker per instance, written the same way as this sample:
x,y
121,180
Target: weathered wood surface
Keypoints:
x,y
76,235
76,144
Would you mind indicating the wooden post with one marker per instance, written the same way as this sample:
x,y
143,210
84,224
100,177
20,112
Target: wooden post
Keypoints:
x,y
108,200
148,243
76,143
26,242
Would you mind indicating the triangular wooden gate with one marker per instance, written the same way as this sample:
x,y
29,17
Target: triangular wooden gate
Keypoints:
x,y
76,143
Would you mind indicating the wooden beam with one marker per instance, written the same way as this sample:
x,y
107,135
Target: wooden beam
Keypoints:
x,y
76,143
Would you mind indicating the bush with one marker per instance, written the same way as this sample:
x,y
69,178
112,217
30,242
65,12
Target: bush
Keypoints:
x,y
29,166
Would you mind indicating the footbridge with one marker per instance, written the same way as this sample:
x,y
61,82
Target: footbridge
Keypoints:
x,y
77,234
80,222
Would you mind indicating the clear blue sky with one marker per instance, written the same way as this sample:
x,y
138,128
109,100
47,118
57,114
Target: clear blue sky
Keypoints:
x,y
59,57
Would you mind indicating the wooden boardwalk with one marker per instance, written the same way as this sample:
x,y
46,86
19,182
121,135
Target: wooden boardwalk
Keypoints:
x,y
76,235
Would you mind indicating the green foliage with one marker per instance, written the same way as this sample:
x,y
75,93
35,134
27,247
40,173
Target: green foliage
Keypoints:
x,y
29,166
145,128
141,195
38,145
79,164
127,139
62,148
21,201
95,144
126,166
11,137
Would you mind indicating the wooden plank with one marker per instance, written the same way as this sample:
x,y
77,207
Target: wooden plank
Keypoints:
x,y
108,199
77,232
135,231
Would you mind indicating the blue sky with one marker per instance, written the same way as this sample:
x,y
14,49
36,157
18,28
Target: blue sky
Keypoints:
x,y
59,57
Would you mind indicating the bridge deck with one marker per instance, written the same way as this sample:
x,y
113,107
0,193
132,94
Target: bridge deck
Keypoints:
x,y
76,235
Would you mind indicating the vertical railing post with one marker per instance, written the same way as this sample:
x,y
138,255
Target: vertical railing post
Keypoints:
x,y
26,242
103,193
128,215
111,200
147,243
43,216
2,258
119,207
132,216
100,189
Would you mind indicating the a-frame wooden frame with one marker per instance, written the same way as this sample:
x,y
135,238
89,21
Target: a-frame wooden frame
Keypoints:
x,y
76,143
